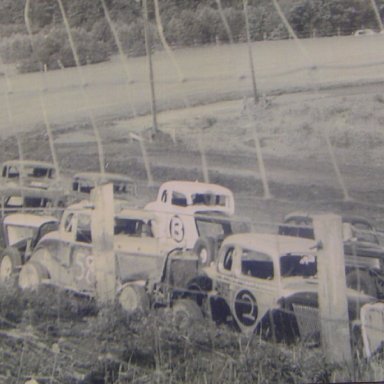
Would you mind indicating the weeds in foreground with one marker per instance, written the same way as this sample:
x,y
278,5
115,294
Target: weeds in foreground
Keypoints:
x,y
52,336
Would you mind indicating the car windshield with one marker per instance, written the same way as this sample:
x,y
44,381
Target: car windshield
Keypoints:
x,y
29,171
40,172
123,187
298,265
209,199
132,227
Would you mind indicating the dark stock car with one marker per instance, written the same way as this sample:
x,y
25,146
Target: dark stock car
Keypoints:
x,y
364,255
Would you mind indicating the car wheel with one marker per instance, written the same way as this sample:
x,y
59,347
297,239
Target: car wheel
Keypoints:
x,y
204,248
32,275
185,312
134,299
10,260
198,287
361,281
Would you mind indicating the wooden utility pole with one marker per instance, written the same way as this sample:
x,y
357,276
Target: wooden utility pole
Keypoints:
x,y
102,225
251,64
333,304
147,35
144,153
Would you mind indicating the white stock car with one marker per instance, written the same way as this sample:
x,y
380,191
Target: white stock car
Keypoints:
x,y
30,173
194,214
21,232
267,284
64,257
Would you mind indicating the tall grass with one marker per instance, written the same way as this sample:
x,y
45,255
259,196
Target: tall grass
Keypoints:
x,y
50,334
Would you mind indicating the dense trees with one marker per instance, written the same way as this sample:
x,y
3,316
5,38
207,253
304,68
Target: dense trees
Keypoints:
x,y
185,22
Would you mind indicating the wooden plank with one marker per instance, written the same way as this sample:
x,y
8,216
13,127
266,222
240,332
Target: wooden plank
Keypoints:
x,y
102,225
333,305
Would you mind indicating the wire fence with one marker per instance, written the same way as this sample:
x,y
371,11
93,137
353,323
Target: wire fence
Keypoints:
x,y
198,160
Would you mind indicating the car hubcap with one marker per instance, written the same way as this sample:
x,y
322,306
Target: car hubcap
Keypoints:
x,y
5,268
128,299
204,256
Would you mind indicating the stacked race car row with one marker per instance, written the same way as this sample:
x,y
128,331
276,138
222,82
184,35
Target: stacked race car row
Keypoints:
x,y
180,251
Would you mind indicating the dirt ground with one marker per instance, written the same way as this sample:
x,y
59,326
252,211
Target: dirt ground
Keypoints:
x,y
291,129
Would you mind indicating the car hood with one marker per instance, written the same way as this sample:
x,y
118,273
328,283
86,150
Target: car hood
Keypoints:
x,y
364,249
305,293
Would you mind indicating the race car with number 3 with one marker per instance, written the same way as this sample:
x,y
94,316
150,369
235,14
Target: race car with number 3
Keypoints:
x,y
196,215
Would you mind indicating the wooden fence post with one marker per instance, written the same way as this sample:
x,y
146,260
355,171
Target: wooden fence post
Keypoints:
x,y
333,305
102,225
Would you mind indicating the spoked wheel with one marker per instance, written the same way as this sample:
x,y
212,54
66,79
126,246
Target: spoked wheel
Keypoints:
x,y
205,250
134,299
32,275
10,260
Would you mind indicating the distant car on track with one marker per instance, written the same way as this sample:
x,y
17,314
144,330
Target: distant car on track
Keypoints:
x,y
29,173
123,186
32,200
364,32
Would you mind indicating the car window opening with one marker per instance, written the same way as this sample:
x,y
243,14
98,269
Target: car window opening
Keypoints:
x,y
298,265
134,227
256,264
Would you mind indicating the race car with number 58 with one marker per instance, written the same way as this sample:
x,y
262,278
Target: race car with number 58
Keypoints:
x,y
64,257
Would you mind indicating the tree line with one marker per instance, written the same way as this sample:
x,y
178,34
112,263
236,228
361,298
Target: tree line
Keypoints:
x,y
185,23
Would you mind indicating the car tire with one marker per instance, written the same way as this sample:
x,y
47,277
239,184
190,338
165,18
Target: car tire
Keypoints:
x,y
205,248
361,281
198,287
134,299
9,262
32,275
185,312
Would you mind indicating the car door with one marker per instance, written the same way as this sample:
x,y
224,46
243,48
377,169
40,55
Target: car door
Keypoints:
x,y
81,258
138,253
255,288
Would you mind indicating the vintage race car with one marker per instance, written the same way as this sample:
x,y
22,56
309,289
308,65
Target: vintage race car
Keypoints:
x,y
29,173
364,254
123,186
32,200
196,215
65,257
267,284
21,232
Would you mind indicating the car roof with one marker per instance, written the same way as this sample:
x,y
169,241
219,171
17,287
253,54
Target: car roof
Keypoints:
x,y
309,215
274,245
132,213
28,220
87,205
190,187
31,192
102,177
33,163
